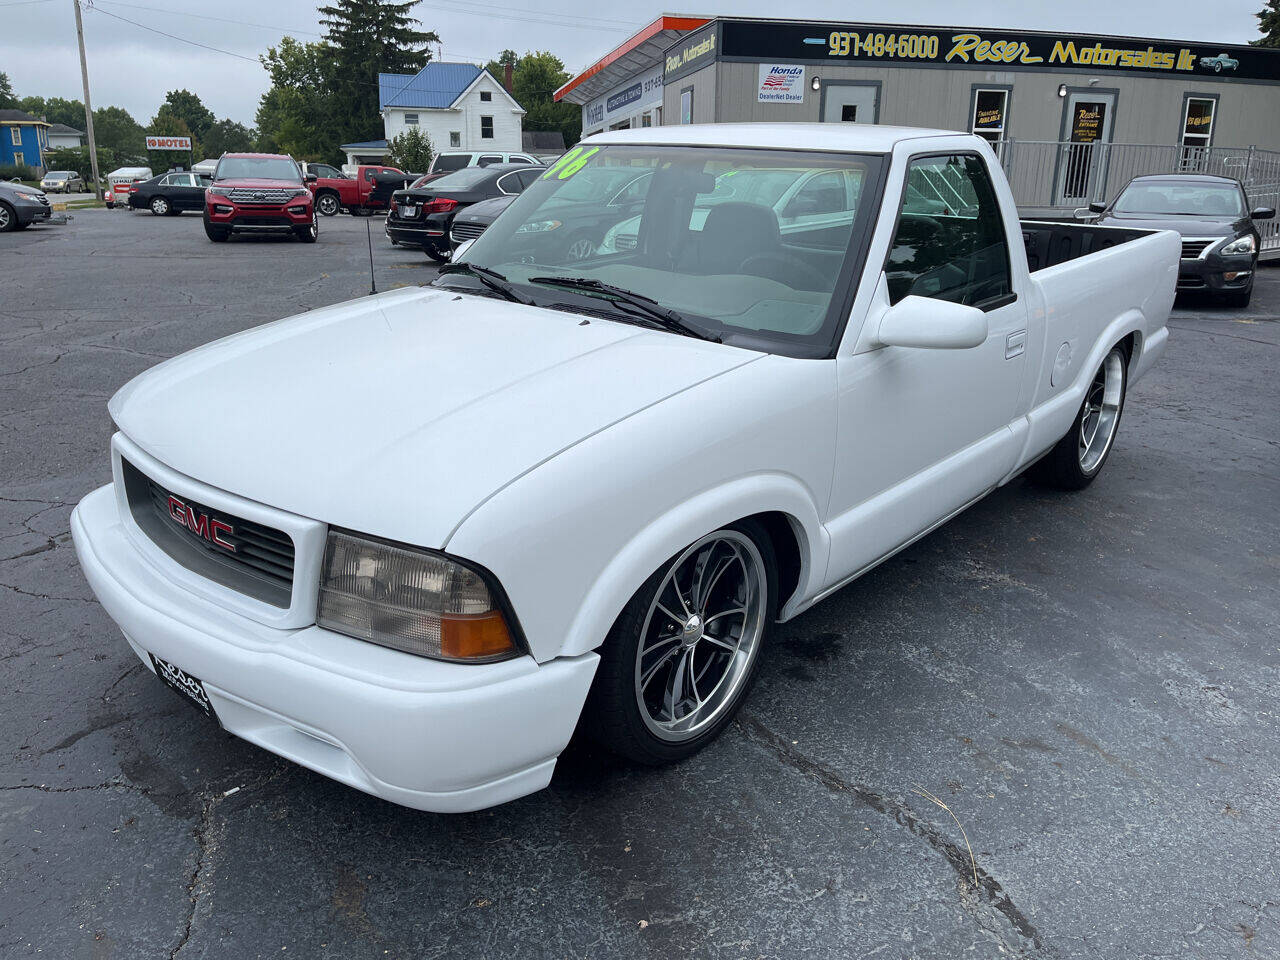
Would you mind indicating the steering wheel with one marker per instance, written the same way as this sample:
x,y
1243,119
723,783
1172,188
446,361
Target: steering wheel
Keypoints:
x,y
785,269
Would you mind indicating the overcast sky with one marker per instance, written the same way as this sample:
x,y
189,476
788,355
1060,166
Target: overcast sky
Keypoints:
x,y
133,68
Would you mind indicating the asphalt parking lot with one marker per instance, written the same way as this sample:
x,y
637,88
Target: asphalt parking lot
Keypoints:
x,y
1089,682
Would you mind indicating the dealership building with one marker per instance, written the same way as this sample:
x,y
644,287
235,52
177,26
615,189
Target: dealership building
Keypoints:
x,y
1072,116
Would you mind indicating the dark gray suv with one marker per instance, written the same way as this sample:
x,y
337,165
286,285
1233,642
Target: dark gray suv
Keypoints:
x,y
21,206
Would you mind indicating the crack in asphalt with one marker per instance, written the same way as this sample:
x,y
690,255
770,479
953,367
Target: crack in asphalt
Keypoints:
x,y
989,889
201,834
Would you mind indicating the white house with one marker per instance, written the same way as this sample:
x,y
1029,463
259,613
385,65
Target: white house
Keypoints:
x,y
458,105
60,135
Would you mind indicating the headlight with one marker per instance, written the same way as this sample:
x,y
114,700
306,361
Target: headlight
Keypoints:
x,y
418,601
1243,244
218,191
27,196
538,226
302,192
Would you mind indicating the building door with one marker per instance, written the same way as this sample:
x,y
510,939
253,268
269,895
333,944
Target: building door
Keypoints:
x,y
850,103
1082,167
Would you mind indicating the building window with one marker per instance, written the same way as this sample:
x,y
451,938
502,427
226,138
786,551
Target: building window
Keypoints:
x,y
686,105
15,134
411,119
455,138
486,128
19,160
1197,121
486,96
990,116
646,119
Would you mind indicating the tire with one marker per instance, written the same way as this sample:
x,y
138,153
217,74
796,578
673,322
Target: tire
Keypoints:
x,y
1076,460
309,233
8,218
216,233
327,203
657,697
436,255
161,207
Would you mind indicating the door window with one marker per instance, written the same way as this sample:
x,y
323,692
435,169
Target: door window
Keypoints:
x,y
950,241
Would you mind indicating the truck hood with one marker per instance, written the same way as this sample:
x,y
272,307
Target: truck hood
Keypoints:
x,y
397,415
257,183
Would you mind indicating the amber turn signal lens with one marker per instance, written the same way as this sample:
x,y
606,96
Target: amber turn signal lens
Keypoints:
x,y
475,637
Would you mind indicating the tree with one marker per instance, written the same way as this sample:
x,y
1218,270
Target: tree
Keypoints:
x,y
185,106
411,151
365,38
499,67
1269,25
295,115
7,100
115,130
226,136
536,77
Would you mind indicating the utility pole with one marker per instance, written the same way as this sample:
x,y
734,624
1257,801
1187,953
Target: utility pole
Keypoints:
x,y
88,106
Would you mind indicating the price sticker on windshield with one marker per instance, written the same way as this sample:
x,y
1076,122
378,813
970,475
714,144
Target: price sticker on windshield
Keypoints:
x,y
570,163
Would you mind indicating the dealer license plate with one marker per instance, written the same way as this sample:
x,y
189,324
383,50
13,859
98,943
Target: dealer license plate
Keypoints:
x,y
187,685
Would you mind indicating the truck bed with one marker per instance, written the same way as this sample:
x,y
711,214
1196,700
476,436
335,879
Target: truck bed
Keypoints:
x,y
1049,243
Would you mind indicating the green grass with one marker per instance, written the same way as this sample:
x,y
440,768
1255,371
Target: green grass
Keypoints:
x,y
82,204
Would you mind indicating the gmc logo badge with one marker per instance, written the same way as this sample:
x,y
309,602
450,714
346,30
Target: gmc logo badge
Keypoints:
x,y
201,524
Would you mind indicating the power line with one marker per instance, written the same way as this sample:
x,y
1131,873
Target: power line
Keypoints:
x,y
194,43
555,21
204,16
550,16
23,3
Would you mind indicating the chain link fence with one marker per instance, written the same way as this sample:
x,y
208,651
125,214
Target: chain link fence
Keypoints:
x,y
1055,176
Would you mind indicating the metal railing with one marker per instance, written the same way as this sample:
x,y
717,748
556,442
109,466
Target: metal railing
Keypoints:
x,y
1055,175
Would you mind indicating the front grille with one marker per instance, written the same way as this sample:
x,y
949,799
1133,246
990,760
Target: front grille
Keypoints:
x,y
249,195
625,241
1191,249
1190,283
253,559
466,231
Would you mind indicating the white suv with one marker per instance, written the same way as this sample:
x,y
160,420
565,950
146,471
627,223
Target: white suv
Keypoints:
x,y
456,160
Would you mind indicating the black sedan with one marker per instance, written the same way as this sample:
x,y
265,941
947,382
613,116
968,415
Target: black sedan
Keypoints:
x,y
422,216
584,210
170,193
1219,239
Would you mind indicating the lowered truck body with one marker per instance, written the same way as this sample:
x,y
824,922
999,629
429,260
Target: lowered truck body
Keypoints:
x,y
418,534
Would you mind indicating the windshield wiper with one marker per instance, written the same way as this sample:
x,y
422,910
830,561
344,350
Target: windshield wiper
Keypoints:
x,y
654,312
491,279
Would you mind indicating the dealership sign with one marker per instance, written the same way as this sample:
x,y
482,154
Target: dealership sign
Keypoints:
x,y
781,83
168,143
641,93
769,42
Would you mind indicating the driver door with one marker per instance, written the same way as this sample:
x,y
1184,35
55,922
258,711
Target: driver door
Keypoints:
x,y
923,432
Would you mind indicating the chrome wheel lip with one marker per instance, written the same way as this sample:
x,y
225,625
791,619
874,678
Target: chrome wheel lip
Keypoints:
x,y
710,665
1100,413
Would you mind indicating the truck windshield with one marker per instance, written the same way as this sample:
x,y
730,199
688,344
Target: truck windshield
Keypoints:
x,y
257,168
749,245
1171,198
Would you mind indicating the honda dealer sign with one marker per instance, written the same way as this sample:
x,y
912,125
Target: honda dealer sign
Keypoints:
x,y
168,143
781,83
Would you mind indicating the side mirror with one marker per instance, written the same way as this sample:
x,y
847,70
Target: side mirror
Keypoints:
x,y
1097,206
1263,213
310,178
1083,213
932,325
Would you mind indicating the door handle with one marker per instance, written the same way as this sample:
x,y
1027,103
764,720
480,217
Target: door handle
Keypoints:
x,y
1014,344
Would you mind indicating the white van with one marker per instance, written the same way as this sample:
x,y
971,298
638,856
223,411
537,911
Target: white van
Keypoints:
x,y
120,185
204,168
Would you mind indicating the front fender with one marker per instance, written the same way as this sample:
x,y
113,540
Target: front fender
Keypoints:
x,y
572,540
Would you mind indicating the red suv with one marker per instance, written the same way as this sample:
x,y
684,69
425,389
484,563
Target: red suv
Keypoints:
x,y
259,192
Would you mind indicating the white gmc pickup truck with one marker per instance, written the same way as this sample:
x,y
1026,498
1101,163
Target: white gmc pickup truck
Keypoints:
x,y
412,541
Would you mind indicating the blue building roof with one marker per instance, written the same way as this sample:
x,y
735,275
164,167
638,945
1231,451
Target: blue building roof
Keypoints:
x,y
437,85
365,145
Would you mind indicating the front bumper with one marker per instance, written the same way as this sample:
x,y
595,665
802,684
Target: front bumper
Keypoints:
x,y
222,212
435,736
1209,273
31,211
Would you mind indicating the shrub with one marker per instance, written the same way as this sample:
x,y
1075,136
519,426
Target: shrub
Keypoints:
x,y
21,171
